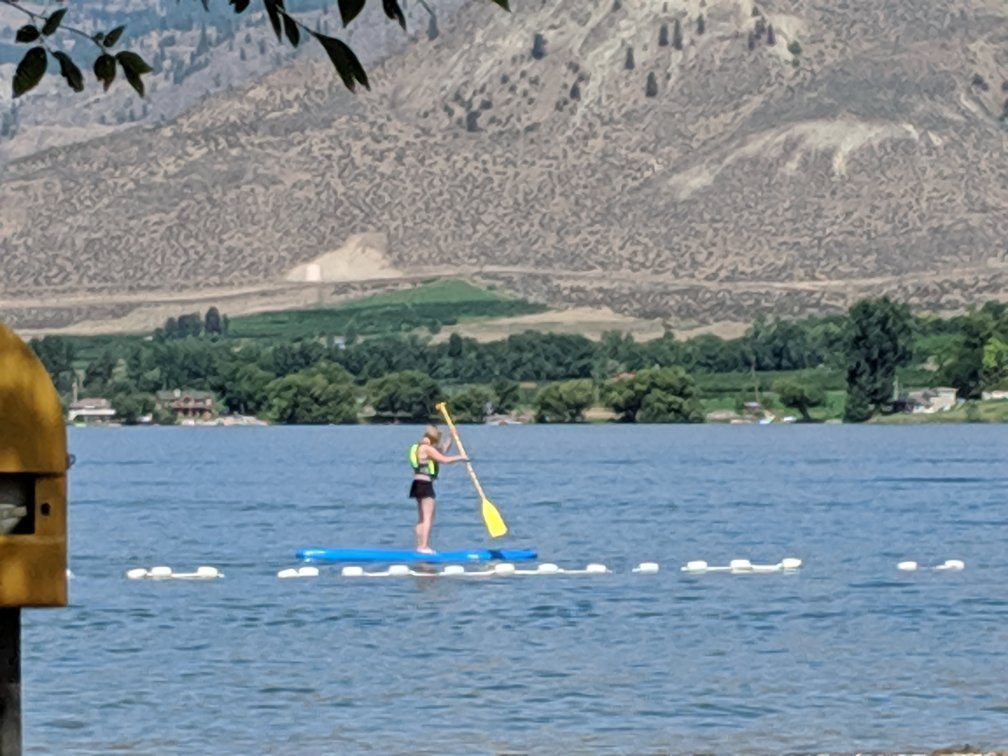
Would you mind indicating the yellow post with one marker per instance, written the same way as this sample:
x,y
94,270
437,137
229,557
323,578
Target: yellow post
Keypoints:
x,y
33,512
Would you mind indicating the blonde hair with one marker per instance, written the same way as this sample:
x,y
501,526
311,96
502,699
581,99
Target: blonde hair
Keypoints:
x,y
432,433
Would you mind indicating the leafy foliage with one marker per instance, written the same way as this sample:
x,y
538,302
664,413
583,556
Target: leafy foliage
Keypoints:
x,y
565,401
656,395
879,340
799,394
285,26
409,396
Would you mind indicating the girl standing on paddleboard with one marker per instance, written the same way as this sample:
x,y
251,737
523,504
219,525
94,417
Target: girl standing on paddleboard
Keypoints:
x,y
425,457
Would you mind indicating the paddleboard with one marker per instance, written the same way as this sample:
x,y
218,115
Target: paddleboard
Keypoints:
x,y
403,556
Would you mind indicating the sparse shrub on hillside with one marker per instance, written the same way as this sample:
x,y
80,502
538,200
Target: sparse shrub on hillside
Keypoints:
x,y
755,11
701,25
485,105
751,41
771,37
575,91
1004,86
538,46
432,28
1004,113
505,78
629,65
471,120
760,27
794,48
651,87
617,5
979,82
677,35
663,39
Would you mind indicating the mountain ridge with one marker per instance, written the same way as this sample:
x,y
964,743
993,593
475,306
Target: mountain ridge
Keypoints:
x,y
858,155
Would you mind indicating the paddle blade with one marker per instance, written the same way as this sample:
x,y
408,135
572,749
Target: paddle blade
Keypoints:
x,y
492,519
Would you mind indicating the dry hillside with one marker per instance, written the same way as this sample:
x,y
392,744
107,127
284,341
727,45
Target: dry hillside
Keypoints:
x,y
862,152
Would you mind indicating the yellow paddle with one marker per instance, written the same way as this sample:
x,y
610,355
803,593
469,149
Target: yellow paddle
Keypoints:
x,y
495,524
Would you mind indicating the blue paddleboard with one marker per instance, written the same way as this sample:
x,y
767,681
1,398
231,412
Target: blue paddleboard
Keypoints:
x,y
404,555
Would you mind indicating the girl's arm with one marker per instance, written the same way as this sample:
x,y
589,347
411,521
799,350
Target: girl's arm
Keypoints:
x,y
438,456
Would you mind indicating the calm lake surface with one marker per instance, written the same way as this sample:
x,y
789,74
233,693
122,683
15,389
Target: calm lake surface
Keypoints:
x,y
847,653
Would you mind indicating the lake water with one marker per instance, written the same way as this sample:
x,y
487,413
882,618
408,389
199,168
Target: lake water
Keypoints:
x,y
846,653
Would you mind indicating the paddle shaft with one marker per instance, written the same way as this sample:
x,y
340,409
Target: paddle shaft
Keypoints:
x,y
462,451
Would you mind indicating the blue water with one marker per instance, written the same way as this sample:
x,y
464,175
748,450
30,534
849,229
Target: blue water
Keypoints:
x,y
847,653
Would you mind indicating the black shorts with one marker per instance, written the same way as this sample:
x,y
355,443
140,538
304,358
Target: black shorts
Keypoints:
x,y
421,489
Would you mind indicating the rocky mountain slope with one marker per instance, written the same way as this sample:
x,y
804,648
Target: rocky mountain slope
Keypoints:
x,y
697,161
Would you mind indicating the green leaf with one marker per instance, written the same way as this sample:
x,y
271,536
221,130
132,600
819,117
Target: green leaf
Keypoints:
x,y
113,36
52,23
291,30
134,79
105,69
393,11
503,4
133,66
349,9
345,62
273,8
98,37
27,33
130,61
30,70
70,71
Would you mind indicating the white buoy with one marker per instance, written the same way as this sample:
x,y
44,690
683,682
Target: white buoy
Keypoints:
x,y
290,572
790,563
70,575
647,567
908,566
952,564
136,573
307,571
596,569
740,565
504,568
352,570
453,569
206,571
398,570
160,572
695,565
547,568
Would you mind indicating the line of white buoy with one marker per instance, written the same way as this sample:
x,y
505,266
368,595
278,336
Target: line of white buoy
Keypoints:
x,y
743,566
203,572
697,566
948,564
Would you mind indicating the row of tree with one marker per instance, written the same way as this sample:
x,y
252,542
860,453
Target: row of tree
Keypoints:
x,y
323,378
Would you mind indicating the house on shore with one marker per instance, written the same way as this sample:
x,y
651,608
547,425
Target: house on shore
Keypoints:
x,y
187,404
91,411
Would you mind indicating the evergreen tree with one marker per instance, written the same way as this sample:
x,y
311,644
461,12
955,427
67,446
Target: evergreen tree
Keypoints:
x,y
879,340
677,39
663,38
701,25
651,87
538,46
771,38
629,65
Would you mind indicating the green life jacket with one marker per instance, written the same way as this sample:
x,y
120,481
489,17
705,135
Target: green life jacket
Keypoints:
x,y
430,467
